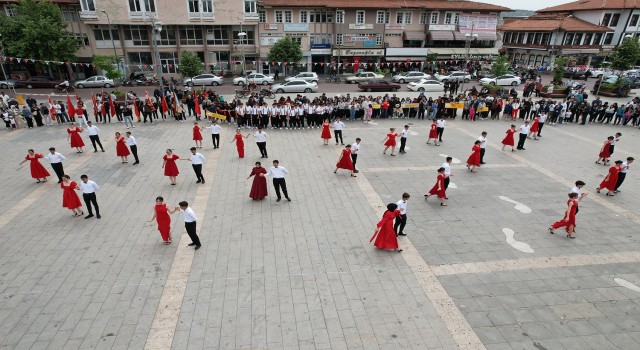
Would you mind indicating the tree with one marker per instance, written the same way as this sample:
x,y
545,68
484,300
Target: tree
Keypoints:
x,y
559,69
432,57
285,50
625,55
38,32
500,66
190,64
109,66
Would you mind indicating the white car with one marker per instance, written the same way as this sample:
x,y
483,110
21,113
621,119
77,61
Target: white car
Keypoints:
x,y
502,80
295,86
426,85
363,76
453,76
203,79
599,73
95,81
306,76
409,77
254,77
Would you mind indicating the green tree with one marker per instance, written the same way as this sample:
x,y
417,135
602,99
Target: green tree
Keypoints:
x,y
190,64
38,32
559,69
500,66
432,57
285,50
625,55
108,65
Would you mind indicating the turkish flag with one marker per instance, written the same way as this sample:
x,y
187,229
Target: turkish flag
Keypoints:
x,y
103,110
112,107
72,110
197,102
136,111
52,111
165,107
356,64
95,105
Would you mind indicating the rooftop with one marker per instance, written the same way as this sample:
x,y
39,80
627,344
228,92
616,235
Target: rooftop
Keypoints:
x,y
582,5
549,23
395,4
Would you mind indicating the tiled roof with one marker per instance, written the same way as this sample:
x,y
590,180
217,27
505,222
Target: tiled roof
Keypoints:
x,y
395,4
552,23
582,5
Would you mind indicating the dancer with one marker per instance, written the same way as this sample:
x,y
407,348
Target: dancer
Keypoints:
x,y
404,134
624,168
197,160
508,139
259,185
483,145
237,138
89,189
37,170
338,126
189,223
215,133
447,172
161,215
326,134
345,162
384,235
197,135
94,136
605,151
524,131
401,220
261,141
74,138
278,173
133,145
122,150
611,179
390,141
474,159
569,220
70,199
56,159
433,133
355,148
170,167
439,188
614,142
535,127
441,123
578,189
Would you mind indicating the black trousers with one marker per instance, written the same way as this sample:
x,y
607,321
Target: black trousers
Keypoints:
x,y
621,177
482,155
191,231
338,133
90,198
521,140
134,151
401,221
95,139
57,167
540,125
280,184
403,142
198,169
611,148
446,183
440,131
216,140
354,159
262,146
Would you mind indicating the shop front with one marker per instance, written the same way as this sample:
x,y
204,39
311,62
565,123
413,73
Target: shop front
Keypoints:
x,y
350,60
320,58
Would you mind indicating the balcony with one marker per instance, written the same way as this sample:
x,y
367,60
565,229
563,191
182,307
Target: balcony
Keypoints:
x,y
201,16
88,14
142,15
251,16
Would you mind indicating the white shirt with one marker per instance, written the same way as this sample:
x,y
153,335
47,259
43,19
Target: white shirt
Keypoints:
x,y
189,215
402,206
576,190
447,168
54,158
440,123
483,140
93,130
89,186
277,173
196,158
338,125
355,147
404,133
131,141
524,129
615,140
543,118
260,136
624,168
215,129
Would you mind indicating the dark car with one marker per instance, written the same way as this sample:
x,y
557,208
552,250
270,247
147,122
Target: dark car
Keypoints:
x,y
482,75
576,74
378,85
634,83
40,82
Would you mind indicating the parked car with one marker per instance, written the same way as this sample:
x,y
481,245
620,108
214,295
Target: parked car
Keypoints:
x,y
634,83
410,76
5,84
297,85
203,79
599,73
502,80
306,76
452,76
378,85
363,76
483,75
254,77
39,81
426,85
95,81
576,74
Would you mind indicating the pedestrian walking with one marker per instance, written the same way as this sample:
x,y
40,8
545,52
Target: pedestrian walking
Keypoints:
x,y
89,189
401,220
278,173
94,136
56,159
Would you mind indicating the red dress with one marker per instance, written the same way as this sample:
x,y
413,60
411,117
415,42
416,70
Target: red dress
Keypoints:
x,y
610,180
508,140
386,236
535,126
164,221
197,136
170,168
239,145
259,186
121,148
439,183
70,198
76,140
37,170
345,161
391,140
572,217
604,152
433,133
326,134
474,158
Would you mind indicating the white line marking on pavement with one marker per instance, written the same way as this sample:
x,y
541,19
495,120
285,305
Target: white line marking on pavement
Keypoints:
x,y
454,160
411,132
518,206
626,284
521,246
372,123
426,168
452,185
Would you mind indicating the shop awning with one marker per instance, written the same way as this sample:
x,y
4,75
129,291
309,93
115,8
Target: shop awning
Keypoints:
x,y
441,35
418,36
442,52
486,51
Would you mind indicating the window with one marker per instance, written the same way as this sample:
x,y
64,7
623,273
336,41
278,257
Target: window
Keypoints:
x,y
435,18
577,39
103,33
339,39
606,19
10,10
191,35
545,38
218,35
456,17
70,14
378,39
207,6
634,21
142,6
315,17
262,16
315,39
194,6
279,16
339,16
248,39
597,39
568,39
140,58
288,16
250,6
448,18
538,39
166,37
608,39
87,5
382,17
614,20
587,39
168,61
295,39
403,17
138,35
423,17
360,17
283,16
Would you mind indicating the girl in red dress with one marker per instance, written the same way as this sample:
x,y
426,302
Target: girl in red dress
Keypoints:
x,y
170,167
259,186
326,134
122,150
605,151
384,234
569,220
433,133
611,179
535,127
474,159
161,215
237,138
345,162
439,189
74,138
70,198
390,141
37,170
508,140
197,135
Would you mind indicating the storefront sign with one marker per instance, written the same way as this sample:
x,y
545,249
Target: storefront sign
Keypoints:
x,y
320,46
359,52
450,27
269,40
360,26
407,51
369,43
473,57
320,52
271,26
359,38
390,26
296,27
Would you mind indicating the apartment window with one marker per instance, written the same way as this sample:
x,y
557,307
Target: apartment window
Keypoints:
x,y
606,19
218,35
507,37
382,17
634,21
423,17
545,38
315,39
87,5
304,16
262,16
316,17
448,18
250,6
168,61
283,16
339,16
82,38
288,16
191,35
378,39
608,39
403,17
360,17
103,33
194,6
279,16
530,38
70,14
456,17
577,39
207,6
138,35
339,39
295,39
538,39
568,39
597,39
140,58
10,10
248,39
587,39
435,18
614,20
142,6
167,37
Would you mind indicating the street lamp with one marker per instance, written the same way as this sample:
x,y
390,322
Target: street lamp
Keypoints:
x,y
241,37
469,37
156,26
4,74
113,42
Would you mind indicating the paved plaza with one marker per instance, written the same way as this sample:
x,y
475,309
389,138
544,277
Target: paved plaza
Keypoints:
x,y
482,273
